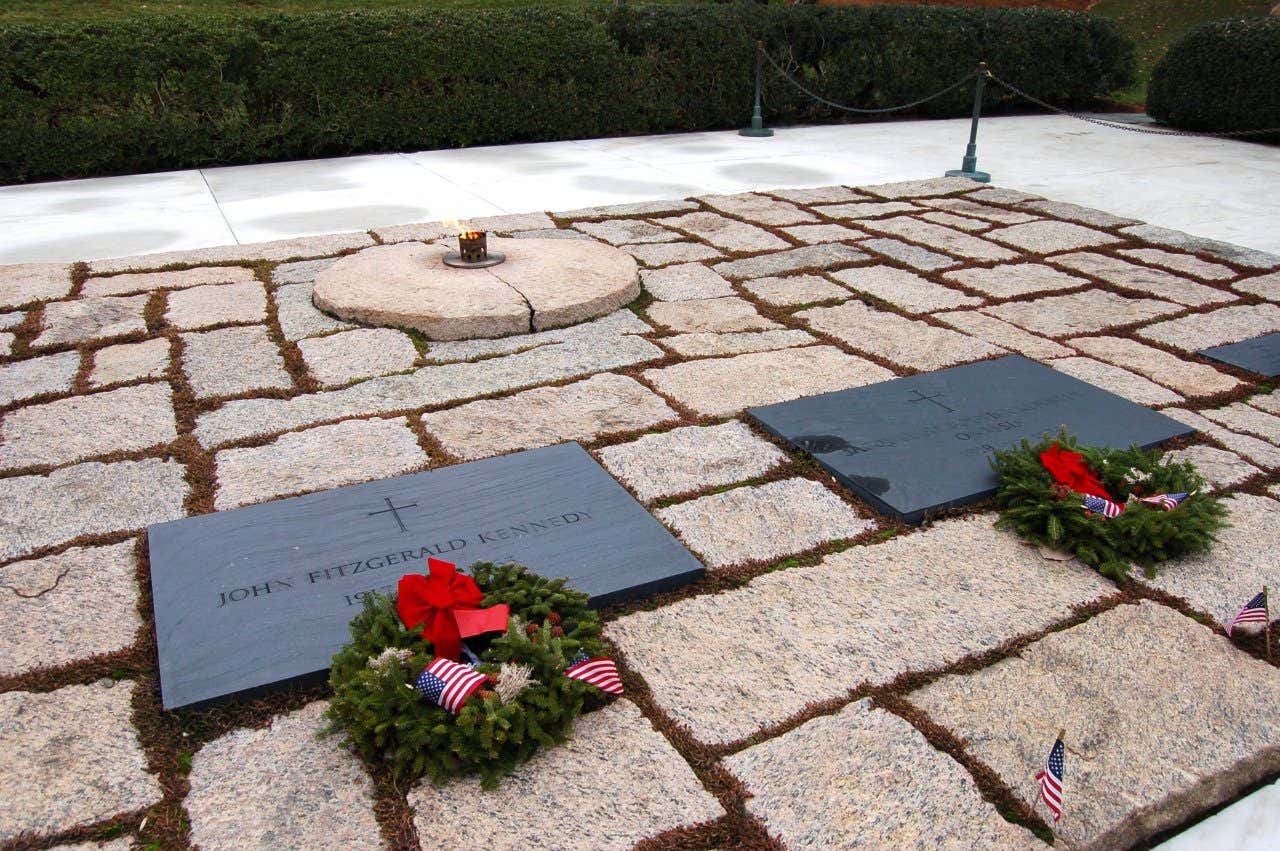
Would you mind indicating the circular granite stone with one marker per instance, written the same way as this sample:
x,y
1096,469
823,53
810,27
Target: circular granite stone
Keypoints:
x,y
544,283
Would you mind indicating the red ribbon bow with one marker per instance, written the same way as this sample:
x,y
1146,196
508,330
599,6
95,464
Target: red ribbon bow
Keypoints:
x,y
447,605
1068,468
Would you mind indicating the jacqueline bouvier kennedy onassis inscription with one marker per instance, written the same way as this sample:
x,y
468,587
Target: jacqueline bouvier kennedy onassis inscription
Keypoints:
x,y
261,596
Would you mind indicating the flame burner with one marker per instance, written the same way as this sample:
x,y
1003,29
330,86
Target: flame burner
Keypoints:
x,y
473,252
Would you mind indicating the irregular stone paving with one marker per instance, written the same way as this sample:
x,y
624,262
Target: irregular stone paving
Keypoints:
x,y
1185,264
709,314
684,281
92,318
624,780
1070,212
865,209
1185,376
838,782
910,255
666,253
281,787
799,289
1119,381
904,341
70,757
1009,280
1263,286
959,222
700,343
966,207
1247,419
1199,245
1153,282
1080,313
299,318
940,238
1158,728
795,260
865,615
129,362
1046,237
814,234
759,209
128,284
230,361
27,379
1224,325
910,292
1260,452
1002,334
221,304
363,353
1220,468
29,282
727,234
626,231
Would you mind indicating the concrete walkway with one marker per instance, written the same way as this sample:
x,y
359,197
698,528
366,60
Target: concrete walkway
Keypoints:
x,y
1220,189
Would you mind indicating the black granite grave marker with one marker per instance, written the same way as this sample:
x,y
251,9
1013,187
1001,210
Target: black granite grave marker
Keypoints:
x,y
917,445
261,596
1260,355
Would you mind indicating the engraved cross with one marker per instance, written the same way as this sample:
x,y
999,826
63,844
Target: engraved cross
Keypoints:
x,y
924,398
394,511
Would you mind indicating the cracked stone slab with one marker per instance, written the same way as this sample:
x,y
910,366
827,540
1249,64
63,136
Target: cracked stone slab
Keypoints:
x,y
701,343
941,238
1115,380
912,255
727,234
1247,419
866,615
1169,238
666,253
1047,236
922,188
865,209
281,787
1189,377
1135,687
26,379
317,459
721,386
129,362
216,304
814,234
635,208
70,758
600,332
299,317
1187,264
1076,213
298,248
600,405
903,341
762,522
760,209
72,429
128,284
1258,451
230,361
823,256
1009,280
1224,325
431,385
684,281
1263,286
1221,469
1081,313
799,289
818,195
45,604
28,282
592,810
966,207
362,353
910,292
1241,562
690,458
809,799
1142,279
709,314
86,319
624,231
1002,334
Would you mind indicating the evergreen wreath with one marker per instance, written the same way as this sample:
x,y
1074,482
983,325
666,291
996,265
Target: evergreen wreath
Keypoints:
x,y
1041,509
528,701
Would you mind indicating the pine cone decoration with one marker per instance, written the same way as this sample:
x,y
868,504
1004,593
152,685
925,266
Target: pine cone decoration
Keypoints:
x,y
557,631
531,629
554,618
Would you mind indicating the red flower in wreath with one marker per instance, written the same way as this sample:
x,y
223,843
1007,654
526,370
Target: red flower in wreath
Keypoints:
x,y
1068,468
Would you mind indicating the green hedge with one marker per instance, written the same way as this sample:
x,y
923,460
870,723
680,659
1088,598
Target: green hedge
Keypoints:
x,y
1222,76
179,91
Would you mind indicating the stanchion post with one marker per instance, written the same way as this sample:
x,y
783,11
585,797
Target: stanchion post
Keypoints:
x,y
969,165
757,127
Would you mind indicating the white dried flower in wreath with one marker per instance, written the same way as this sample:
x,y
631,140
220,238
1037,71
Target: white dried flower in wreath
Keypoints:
x,y
401,656
513,678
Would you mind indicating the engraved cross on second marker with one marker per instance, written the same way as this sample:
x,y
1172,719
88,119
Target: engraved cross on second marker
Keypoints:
x,y
924,398
394,511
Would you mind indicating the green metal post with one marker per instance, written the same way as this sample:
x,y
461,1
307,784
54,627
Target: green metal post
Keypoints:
x,y
757,127
969,165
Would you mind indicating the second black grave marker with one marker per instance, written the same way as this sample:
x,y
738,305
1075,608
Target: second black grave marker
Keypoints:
x,y
260,596
1260,355
917,445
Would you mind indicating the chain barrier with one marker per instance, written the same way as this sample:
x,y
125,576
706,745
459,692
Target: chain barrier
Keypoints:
x,y
787,76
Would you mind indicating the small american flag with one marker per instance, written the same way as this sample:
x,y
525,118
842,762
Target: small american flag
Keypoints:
x,y
1105,507
1254,611
449,684
1167,501
1051,779
599,672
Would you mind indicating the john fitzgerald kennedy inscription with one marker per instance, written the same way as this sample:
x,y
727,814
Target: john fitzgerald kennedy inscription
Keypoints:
x,y
260,596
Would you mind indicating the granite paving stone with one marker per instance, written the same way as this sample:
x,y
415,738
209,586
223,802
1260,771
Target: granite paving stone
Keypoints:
x,y
760,209
817,195
866,209
709,314
281,787
726,234
301,271
720,386
28,282
798,289
1221,469
942,238
1263,286
762,522
702,343
1075,213
931,187
123,843
1158,728
209,305
6,343
87,319
12,319
902,341
45,604
1142,279
814,234
569,798
296,248
1080,313
129,362
690,458
839,781
1169,238
1186,264
1189,377
26,379
69,758
127,284
317,459
967,207
1269,402
1258,451
623,231
824,256
1009,280
635,208
912,255
600,405
952,220
1247,419
1224,325
229,361
413,232
666,253
505,223
1046,237
550,233
79,427
362,353
910,292
300,318
866,615
1001,195
598,332
1119,381
1002,334
684,281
